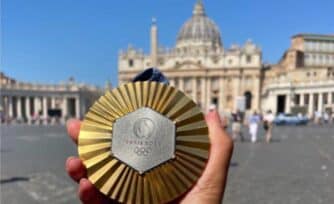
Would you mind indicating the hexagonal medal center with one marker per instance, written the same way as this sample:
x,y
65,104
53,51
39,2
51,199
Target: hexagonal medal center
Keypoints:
x,y
143,139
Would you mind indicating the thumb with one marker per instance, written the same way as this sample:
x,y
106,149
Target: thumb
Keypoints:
x,y
221,143
215,173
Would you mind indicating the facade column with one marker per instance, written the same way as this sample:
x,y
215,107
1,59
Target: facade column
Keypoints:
x,y
221,94
194,89
302,100
273,104
203,93
19,107
10,106
320,102
257,94
172,82
181,84
208,92
77,107
288,103
311,104
329,98
236,92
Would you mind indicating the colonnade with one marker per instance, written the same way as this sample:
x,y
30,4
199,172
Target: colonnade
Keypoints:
x,y
29,108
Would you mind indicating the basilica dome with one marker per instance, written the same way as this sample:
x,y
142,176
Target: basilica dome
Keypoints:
x,y
199,29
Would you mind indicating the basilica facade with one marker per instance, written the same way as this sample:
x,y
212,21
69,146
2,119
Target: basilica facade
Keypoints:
x,y
200,66
236,78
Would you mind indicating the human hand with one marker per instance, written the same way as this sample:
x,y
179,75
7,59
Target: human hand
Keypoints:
x,y
209,187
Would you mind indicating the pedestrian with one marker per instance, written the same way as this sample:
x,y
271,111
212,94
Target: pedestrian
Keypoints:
x,y
268,125
237,119
318,117
326,117
253,122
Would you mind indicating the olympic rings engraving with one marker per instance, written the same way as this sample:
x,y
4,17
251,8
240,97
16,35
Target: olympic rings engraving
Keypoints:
x,y
142,151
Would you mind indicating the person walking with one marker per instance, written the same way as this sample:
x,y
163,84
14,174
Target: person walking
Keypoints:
x,y
326,117
237,119
253,122
268,125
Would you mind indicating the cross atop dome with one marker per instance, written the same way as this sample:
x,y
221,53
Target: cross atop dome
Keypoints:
x,y
199,9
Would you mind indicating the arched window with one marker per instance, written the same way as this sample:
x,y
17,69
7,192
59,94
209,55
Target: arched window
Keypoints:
x,y
248,98
130,62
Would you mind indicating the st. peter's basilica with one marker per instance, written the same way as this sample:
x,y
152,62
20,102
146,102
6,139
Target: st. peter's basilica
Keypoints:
x,y
236,77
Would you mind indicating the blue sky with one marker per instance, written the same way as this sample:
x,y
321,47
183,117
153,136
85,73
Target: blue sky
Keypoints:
x,y
48,41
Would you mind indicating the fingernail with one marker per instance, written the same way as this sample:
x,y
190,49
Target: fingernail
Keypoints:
x,y
69,159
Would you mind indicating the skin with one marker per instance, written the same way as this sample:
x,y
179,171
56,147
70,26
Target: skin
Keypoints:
x,y
209,188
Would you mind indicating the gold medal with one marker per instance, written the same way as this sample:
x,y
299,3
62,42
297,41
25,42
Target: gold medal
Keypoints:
x,y
144,142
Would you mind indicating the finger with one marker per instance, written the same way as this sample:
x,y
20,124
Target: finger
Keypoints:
x,y
221,144
73,129
89,194
214,175
75,168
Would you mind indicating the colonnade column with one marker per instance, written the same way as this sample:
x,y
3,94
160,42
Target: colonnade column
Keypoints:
x,y
53,102
64,108
2,102
37,104
28,111
10,106
77,107
45,108
19,107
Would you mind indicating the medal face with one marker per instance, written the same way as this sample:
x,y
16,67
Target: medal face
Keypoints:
x,y
144,142
143,139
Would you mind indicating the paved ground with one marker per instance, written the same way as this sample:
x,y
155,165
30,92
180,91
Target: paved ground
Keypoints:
x,y
298,167
32,165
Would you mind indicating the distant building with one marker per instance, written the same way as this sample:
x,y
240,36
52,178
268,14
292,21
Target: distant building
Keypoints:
x,y
28,102
303,78
199,65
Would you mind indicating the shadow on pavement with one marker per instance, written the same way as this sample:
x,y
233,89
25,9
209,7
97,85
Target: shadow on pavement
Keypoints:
x,y
234,164
14,179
